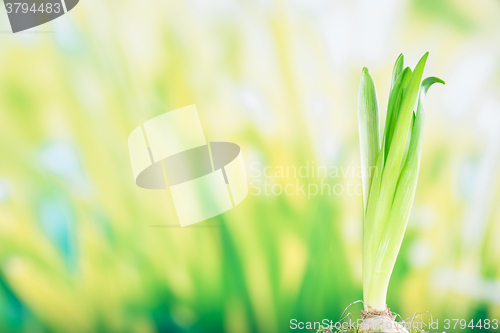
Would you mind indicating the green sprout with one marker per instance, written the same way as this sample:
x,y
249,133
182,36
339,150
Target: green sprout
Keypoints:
x,y
390,172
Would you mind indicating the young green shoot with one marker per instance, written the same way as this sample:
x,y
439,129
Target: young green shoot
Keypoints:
x,y
390,171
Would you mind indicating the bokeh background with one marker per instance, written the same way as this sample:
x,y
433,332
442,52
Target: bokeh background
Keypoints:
x,y
82,249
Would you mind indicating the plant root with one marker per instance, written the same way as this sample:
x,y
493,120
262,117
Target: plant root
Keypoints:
x,y
376,321
380,320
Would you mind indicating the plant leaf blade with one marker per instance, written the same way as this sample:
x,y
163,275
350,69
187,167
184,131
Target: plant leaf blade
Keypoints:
x,y
369,132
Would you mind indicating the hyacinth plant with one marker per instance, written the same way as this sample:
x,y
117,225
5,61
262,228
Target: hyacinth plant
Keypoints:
x,y
390,165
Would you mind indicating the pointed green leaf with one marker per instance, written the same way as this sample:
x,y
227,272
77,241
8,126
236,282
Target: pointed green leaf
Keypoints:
x,y
369,132
393,107
398,68
392,166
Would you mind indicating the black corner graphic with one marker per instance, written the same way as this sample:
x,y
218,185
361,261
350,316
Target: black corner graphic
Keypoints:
x,y
70,4
26,14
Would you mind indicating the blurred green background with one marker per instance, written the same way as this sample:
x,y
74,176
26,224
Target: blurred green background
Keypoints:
x,y
82,249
